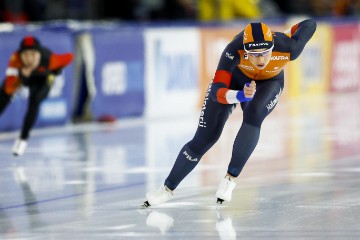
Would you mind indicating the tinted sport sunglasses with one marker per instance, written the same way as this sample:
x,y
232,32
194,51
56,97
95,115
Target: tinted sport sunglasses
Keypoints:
x,y
260,54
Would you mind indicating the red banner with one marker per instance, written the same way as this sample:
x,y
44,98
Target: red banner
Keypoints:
x,y
345,68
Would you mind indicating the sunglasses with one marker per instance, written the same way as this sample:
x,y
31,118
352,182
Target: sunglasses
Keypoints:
x,y
260,54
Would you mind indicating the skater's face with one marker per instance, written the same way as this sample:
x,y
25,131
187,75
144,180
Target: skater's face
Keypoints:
x,y
30,58
260,57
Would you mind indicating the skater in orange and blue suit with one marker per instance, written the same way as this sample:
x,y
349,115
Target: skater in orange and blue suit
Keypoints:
x,y
250,72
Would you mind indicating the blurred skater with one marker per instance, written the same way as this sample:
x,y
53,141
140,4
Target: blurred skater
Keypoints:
x,y
35,67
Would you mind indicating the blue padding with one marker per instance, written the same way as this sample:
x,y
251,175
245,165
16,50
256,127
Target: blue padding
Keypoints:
x,y
119,72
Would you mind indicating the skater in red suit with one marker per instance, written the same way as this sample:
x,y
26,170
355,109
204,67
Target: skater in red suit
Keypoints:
x,y
250,72
35,67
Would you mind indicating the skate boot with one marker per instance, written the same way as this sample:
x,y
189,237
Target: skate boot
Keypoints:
x,y
163,194
19,147
224,191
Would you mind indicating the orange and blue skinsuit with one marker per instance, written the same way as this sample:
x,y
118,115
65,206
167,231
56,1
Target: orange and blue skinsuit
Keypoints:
x,y
233,72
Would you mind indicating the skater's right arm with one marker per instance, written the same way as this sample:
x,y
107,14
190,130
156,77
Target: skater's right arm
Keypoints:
x,y
229,59
12,81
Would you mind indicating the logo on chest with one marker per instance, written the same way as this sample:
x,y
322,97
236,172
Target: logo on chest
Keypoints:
x,y
277,58
247,67
275,70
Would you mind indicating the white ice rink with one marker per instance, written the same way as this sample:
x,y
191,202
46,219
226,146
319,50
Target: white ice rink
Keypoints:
x,y
87,181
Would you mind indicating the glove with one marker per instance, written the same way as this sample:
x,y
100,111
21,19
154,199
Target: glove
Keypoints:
x,y
241,96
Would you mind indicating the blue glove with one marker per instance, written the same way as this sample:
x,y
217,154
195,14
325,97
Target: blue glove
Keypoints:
x,y
241,97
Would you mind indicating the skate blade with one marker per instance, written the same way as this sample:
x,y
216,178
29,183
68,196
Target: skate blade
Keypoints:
x,y
146,204
219,201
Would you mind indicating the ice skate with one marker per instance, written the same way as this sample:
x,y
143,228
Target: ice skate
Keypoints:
x,y
19,147
163,194
224,191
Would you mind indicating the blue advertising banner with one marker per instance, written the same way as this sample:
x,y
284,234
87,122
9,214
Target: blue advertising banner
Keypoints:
x,y
119,72
56,109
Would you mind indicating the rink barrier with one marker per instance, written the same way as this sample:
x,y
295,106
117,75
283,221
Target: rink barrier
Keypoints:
x,y
118,72
345,58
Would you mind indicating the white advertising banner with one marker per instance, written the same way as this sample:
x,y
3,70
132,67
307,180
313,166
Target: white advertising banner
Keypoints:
x,y
171,71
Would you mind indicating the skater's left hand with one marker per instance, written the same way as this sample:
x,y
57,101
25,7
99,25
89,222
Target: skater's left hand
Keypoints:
x,y
250,89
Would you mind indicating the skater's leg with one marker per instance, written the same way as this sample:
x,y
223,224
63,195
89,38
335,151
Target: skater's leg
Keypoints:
x,y
211,124
245,143
37,95
255,111
212,121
